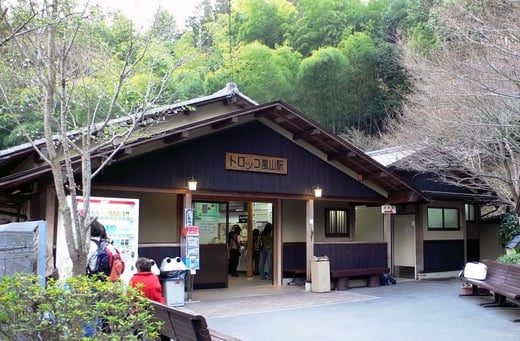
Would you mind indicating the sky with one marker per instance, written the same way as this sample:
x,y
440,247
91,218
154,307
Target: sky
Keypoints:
x,y
141,11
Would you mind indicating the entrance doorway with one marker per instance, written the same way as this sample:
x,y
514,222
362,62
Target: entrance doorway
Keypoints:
x,y
216,220
403,246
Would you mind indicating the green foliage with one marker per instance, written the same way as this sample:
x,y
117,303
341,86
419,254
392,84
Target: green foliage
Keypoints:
x,y
319,24
61,310
512,258
323,86
211,52
265,22
508,228
259,65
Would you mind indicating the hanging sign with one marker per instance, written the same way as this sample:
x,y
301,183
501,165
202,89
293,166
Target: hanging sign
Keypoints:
x,y
189,217
388,209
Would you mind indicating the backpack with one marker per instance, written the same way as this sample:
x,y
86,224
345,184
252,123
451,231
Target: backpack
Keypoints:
x,y
387,279
259,243
106,260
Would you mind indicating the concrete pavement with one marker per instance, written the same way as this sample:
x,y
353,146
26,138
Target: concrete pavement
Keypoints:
x,y
410,310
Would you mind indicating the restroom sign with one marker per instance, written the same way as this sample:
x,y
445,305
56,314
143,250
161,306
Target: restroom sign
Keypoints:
x,y
388,209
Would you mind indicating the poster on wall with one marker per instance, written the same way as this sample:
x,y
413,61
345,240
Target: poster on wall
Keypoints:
x,y
121,219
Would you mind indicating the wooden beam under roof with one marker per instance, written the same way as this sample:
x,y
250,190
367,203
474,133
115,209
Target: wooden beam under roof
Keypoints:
x,y
224,123
176,137
308,132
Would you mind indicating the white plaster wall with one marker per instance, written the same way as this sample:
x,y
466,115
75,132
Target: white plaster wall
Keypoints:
x,y
369,224
293,220
489,245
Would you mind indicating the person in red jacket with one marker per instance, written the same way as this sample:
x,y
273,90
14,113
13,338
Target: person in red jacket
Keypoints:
x,y
147,282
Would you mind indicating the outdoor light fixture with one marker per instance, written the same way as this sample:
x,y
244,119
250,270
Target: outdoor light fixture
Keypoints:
x,y
317,191
192,184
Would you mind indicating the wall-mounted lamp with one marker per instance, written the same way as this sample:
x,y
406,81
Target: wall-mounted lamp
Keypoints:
x,y
192,184
317,191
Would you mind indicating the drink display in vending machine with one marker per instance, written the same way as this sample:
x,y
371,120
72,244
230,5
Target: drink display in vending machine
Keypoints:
x,y
120,216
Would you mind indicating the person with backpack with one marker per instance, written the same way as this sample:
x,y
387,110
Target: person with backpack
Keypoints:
x,y
103,259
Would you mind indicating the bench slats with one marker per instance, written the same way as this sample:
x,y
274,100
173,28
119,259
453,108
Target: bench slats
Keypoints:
x,y
358,272
502,279
184,326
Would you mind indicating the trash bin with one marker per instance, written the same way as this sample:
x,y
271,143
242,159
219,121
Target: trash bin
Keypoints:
x,y
172,274
320,274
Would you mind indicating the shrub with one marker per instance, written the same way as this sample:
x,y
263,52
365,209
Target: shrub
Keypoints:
x,y
62,309
508,228
513,258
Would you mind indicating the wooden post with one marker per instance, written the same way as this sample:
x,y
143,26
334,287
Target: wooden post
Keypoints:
x,y
309,215
249,244
387,227
277,243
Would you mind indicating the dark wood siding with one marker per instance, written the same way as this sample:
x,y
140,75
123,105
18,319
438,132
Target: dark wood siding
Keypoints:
x,y
353,256
294,256
473,248
341,255
443,255
204,159
213,263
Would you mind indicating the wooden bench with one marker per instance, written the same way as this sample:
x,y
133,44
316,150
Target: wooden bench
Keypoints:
x,y
503,280
496,274
181,325
341,277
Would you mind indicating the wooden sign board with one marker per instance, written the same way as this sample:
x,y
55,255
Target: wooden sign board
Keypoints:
x,y
256,163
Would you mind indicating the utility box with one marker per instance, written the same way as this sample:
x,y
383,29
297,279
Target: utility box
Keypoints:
x,y
172,275
320,274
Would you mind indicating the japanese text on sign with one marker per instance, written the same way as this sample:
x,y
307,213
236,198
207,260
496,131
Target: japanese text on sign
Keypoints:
x,y
256,163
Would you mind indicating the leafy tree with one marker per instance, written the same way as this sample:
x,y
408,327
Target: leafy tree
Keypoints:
x,y
76,86
319,24
322,89
410,18
508,229
367,96
265,22
266,72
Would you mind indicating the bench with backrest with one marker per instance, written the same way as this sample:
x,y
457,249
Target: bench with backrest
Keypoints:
x,y
511,287
496,274
340,277
503,280
181,325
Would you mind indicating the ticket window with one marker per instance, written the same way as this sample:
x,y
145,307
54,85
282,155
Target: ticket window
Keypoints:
x,y
215,219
